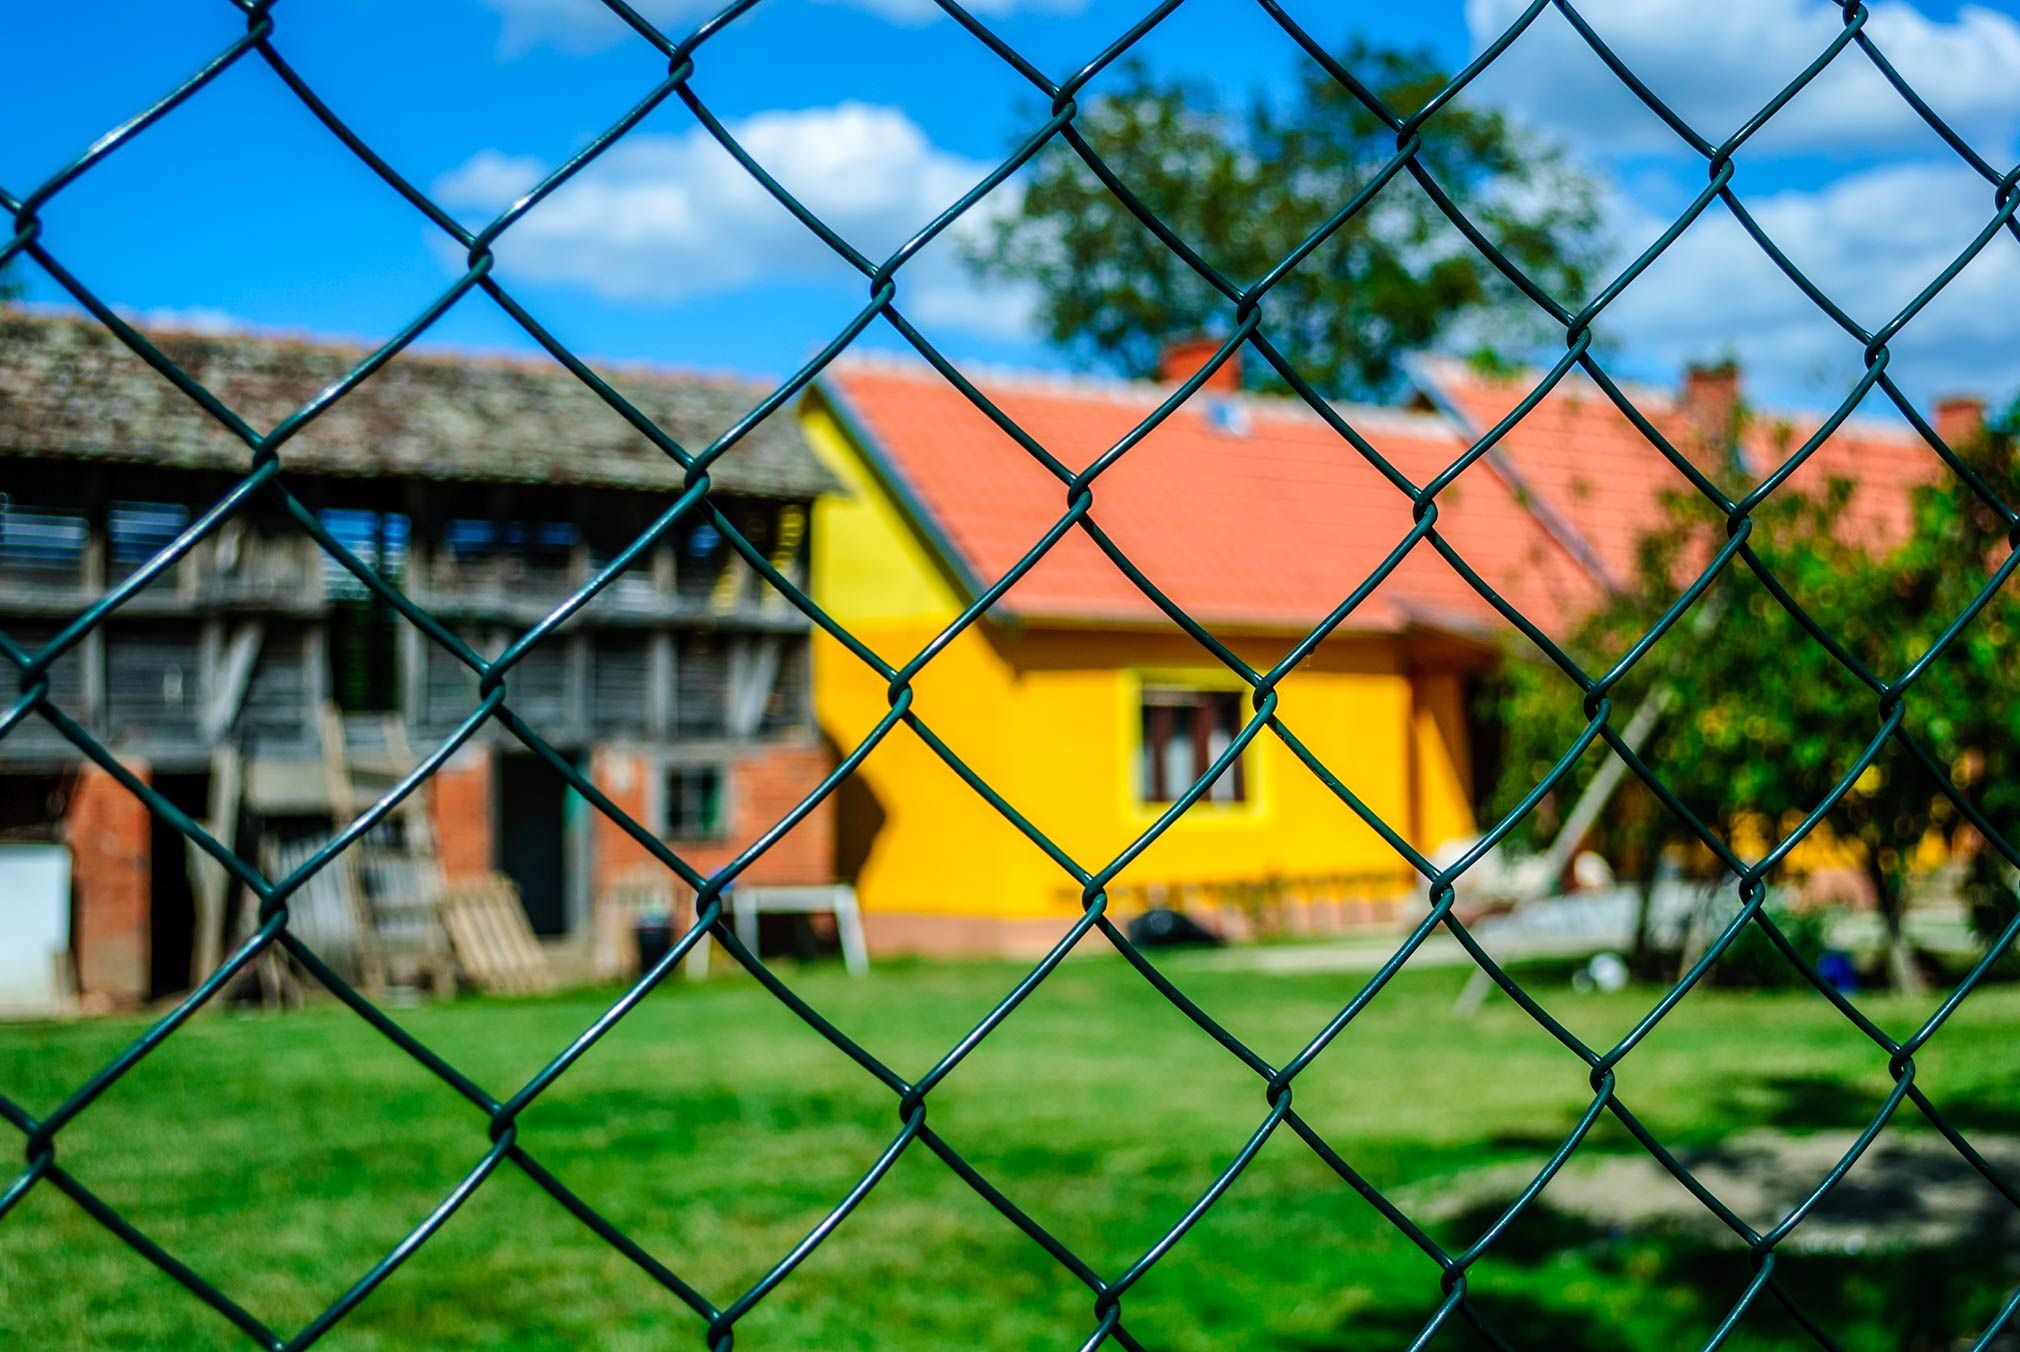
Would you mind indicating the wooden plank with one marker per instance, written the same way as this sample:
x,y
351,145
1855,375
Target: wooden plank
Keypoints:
x,y
277,982
659,683
316,671
344,809
403,868
754,666
617,910
209,882
234,678
494,944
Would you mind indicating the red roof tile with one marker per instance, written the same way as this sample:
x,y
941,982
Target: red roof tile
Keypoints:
x,y
1589,468
1263,518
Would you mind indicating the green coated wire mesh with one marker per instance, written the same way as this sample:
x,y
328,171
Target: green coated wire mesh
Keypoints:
x,y
716,1317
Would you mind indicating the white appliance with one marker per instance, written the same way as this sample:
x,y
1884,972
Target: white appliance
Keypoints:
x,y
34,929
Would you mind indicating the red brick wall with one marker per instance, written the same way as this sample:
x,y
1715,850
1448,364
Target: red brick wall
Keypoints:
x,y
624,777
764,783
459,804
764,786
111,872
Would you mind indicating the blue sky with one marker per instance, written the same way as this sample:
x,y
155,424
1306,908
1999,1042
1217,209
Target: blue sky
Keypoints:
x,y
239,210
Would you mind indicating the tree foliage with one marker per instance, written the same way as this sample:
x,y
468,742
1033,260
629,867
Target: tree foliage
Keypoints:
x,y
1246,187
1763,720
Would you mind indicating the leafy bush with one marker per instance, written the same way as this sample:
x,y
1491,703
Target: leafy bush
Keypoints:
x,y
1991,901
1754,962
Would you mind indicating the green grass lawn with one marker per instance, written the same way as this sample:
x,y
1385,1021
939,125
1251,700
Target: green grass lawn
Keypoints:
x,y
281,1155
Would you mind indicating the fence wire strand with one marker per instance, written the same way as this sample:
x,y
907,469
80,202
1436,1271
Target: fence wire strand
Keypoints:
x,y
1756,1252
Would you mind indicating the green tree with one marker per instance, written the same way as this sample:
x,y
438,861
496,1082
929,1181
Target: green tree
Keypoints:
x,y
1761,720
1246,187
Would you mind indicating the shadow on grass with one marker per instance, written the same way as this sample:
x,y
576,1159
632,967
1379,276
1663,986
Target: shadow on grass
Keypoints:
x,y
1822,1102
1562,1283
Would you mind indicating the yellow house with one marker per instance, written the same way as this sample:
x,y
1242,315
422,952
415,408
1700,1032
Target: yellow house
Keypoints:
x,y
1089,709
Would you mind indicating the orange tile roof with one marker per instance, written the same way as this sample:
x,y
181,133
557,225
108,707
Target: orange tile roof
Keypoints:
x,y
1587,467
1264,518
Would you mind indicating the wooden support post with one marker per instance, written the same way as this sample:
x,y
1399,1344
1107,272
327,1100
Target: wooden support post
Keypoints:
x,y
315,675
348,868
659,684
418,577
91,651
753,669
209,883
232,679
577,680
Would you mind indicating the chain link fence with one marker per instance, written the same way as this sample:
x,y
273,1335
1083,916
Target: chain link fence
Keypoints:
x,y
716,1318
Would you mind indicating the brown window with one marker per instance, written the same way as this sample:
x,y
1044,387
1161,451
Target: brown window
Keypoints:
x,y
1183,732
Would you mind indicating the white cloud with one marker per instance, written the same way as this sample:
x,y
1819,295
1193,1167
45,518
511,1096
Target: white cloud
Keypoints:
x,y
1871,241
661,218
1891,215
1718,61
584,25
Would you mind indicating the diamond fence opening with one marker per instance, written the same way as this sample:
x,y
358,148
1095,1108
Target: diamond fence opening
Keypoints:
x,y
504,1146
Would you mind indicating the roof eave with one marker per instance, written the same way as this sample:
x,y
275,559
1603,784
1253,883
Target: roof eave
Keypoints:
x,y
1221,625
884,468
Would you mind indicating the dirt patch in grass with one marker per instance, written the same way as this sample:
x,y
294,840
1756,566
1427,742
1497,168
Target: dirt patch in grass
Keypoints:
x,y
1908,1191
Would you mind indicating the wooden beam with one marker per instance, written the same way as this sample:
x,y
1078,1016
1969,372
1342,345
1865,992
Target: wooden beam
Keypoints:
x,y
664,579
234,678
418,578
424,530
575,682
315,676
209,653
91,652
210,885
659,684
753,669
412,647
345,806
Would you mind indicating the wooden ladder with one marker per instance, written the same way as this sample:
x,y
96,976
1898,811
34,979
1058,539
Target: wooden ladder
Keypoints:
x,y
393,873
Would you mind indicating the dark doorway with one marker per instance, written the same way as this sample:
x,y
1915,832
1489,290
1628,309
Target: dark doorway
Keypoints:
x,y
171,928
532,830
32,807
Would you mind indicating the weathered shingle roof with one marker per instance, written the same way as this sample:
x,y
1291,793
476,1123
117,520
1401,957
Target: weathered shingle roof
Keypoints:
x,y
70,389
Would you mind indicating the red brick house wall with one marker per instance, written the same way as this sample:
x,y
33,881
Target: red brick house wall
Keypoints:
x,y
459,806
764,782
111,870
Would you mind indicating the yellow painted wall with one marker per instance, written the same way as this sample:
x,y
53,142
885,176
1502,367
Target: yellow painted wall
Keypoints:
x,y
1051,718
928,844
1444,769
1077,709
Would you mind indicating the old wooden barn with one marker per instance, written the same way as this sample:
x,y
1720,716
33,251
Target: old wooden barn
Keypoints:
x,y
260,687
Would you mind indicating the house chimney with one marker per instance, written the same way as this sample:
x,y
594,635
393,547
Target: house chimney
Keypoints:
x,y
1710,397
1959,418
1182,358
